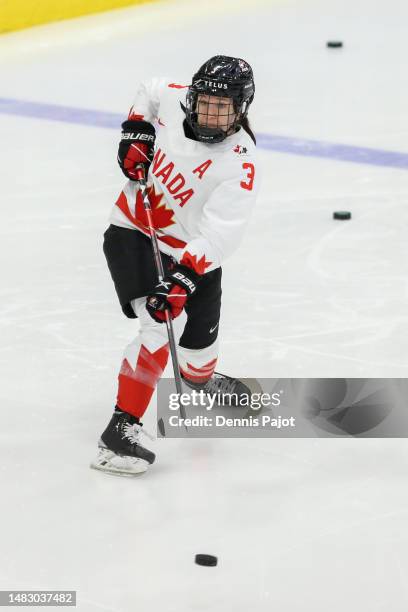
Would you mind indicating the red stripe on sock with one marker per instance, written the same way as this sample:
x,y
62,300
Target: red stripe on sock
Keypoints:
x,y
194,379
136,386
205,368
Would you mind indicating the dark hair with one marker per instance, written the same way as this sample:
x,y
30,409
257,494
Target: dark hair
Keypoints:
x,y
245,125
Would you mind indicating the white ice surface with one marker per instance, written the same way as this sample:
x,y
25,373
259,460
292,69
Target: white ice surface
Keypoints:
x,y
297,525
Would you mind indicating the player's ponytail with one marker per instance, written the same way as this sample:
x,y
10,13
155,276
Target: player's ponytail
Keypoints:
x,y
245,125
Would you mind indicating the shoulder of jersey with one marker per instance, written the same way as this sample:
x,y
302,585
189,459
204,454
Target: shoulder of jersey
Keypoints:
x,y
242,147
171,86
172,91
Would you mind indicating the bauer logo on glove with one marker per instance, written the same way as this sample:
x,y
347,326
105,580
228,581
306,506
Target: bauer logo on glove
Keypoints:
x,y
139,136
136,147
172,293
186,281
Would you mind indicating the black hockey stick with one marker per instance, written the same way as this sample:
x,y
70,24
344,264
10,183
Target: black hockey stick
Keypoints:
x,y
160,273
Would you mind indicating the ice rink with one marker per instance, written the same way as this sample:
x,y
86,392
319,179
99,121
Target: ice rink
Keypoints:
x,y
297,524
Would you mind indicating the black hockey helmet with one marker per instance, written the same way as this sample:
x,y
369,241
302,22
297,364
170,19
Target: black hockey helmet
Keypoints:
x,y
227,77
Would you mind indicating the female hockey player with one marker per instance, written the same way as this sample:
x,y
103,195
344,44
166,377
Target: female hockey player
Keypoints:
x,y
202,178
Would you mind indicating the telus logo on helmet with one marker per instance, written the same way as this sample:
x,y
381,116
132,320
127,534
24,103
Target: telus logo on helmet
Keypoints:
x,y
216,85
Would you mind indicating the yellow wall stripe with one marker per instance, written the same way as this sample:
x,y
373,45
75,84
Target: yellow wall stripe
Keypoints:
x,y
18,14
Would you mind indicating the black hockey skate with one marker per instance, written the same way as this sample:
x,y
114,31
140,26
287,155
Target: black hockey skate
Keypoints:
x,y
119,449
229,391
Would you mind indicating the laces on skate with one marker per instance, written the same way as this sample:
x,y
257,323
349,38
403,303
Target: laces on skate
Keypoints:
x,y
132,432
220,385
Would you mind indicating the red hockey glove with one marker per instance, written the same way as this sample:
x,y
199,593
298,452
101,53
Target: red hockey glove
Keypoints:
x,y
172,293
136,147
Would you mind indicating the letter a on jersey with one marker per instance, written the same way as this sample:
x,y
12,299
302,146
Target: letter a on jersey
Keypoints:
x,y
202,168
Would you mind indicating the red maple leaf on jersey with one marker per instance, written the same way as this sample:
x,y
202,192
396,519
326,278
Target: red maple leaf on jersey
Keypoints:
x,y
191,261
162,216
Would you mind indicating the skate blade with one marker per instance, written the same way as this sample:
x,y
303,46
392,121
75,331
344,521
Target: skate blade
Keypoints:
x,y
113,464
116,472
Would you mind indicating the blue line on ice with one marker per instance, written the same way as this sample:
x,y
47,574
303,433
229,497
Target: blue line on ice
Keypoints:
x,y
270,142
54,112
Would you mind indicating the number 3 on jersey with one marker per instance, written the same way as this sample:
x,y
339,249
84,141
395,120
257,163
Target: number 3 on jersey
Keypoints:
x,y
250,176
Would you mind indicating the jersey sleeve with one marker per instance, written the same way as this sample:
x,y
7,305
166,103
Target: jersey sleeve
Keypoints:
x,y
224,221
147,101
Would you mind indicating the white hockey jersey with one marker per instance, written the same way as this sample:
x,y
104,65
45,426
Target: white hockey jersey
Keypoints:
x,y
201,194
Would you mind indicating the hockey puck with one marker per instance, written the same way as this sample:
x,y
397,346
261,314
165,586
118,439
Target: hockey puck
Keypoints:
x,y
207,560
334,44
342,215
